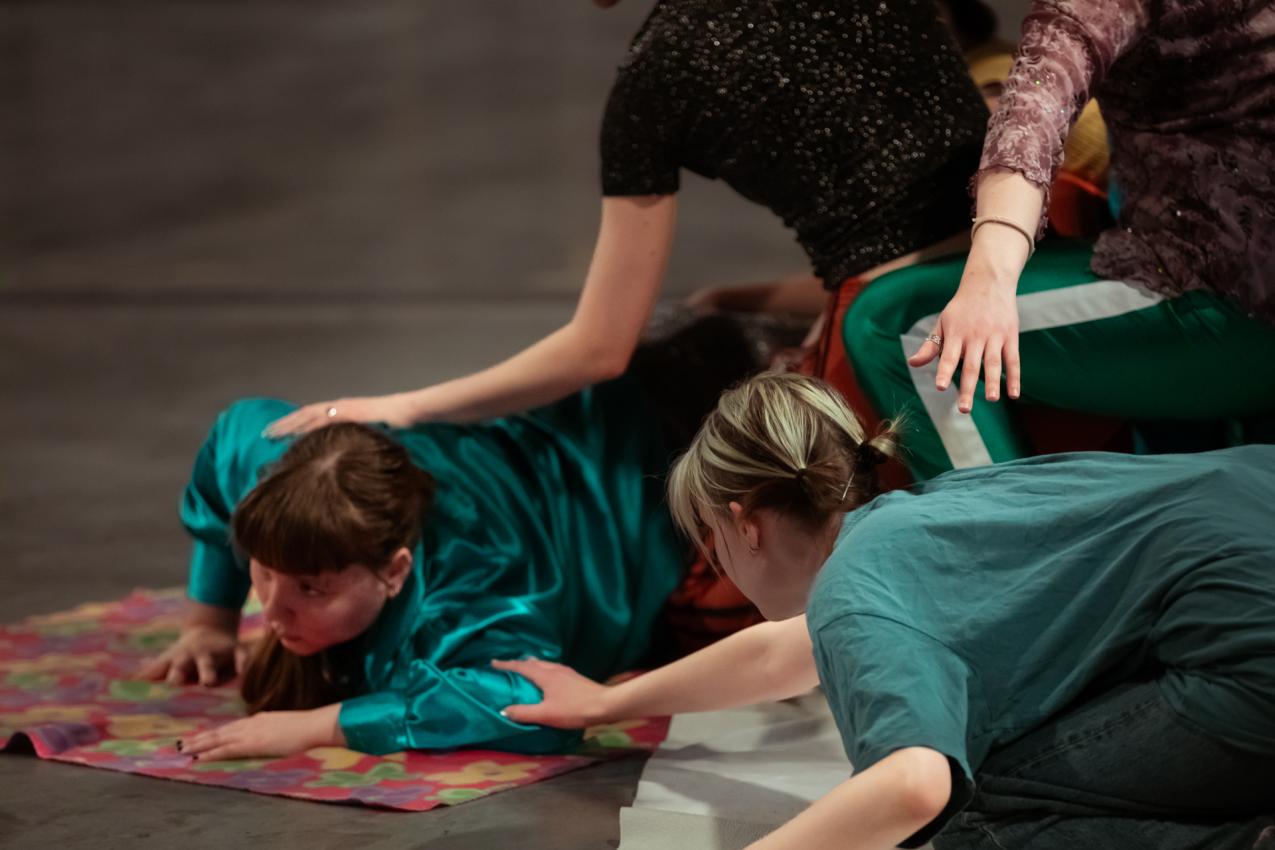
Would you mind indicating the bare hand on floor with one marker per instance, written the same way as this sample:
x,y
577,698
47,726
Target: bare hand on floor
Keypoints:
x,y
203,654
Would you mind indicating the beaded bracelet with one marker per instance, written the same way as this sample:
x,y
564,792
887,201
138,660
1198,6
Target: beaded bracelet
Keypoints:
x,y
995,219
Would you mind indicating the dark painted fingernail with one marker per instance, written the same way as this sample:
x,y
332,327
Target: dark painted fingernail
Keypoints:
x,y
194,758
179,745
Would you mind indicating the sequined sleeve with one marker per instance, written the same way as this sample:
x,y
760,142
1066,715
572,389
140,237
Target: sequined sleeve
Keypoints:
x,y
1066,50
638,144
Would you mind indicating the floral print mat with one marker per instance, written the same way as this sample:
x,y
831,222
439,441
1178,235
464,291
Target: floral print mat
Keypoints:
x,y
67,693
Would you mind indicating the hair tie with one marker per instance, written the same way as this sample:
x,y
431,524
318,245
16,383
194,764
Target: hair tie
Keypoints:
x,y
869,456
800,475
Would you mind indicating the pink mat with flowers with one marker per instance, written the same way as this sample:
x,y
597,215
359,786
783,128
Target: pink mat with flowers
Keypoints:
x,y
66,693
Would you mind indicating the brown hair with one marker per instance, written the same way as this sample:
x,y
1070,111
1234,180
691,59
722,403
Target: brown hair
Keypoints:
x,y
342,495
781,441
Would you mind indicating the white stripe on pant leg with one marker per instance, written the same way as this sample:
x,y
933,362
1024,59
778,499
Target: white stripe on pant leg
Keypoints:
x,y
1085,302
1052,308
957,431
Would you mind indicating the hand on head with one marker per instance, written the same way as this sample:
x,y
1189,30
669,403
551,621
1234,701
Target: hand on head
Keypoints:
x,y
395,410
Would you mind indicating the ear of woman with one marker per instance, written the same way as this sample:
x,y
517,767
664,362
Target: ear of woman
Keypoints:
x,y
749,529
395,574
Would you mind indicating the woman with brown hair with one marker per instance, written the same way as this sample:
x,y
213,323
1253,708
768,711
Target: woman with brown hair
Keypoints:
x,y
393,565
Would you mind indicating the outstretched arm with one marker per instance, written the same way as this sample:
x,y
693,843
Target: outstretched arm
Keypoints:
x,y
435,709
768,661
883,806
879,808
623,284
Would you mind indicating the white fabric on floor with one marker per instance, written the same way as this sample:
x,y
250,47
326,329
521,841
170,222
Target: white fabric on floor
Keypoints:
x,y
723,779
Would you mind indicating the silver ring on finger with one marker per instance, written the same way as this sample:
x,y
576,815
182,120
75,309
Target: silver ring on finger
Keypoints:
x,y
331,413
936,339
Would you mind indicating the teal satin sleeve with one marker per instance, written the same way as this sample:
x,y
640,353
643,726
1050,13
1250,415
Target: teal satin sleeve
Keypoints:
x,y
225,469
457,707
428,670
216,578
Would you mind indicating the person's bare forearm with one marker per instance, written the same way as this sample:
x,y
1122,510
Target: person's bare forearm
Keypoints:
x,y
768,661
998,253
553,368
620,291
874,810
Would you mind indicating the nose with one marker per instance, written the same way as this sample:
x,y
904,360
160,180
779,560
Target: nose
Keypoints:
x,y
274,605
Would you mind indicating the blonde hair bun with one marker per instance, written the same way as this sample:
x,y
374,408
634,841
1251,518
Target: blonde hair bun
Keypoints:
x,y
781,441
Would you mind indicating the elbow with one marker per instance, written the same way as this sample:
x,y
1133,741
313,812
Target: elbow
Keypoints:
x,y
925,783
603,357
610,365
787,658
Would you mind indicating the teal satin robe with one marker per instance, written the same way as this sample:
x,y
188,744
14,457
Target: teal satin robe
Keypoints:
x,y
549,537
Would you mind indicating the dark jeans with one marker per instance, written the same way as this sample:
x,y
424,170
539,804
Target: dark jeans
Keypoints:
x,y
1119,771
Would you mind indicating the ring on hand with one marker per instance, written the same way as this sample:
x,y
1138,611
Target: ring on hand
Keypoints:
x,y
331,412
936,339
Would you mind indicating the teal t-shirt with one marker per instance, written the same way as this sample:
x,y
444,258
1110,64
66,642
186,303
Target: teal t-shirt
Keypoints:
x,y
549,536
968,611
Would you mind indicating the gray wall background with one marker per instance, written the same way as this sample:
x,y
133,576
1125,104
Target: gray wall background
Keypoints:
x,y
325,149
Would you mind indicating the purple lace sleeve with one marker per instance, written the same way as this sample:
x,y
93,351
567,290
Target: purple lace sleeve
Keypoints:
x,y
1066,49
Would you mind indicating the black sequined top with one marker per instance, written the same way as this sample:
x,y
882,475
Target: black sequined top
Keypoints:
x,y
854,121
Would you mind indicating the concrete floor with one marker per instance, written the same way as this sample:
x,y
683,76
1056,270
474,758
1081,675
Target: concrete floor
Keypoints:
x,y
202,201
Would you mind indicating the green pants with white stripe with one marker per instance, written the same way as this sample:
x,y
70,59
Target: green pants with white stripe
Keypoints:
x,y
1097,346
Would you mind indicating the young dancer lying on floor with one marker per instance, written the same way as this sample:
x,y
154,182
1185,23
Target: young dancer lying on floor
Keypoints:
x,y
1076,650
393,566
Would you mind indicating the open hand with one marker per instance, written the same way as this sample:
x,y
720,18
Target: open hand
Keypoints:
x,y
204,654
979,329
267,734
571,701
395,410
